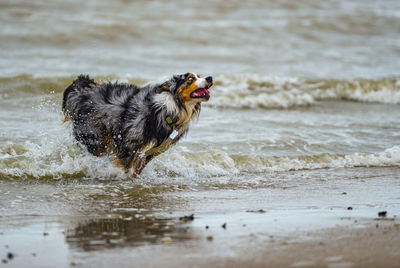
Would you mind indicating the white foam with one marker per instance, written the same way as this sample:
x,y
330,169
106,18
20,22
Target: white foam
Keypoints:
x,y
255,91
63,159
204,164
55,157
218,163
389,157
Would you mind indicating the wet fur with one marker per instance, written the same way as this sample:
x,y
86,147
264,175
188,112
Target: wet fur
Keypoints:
x,y
127,120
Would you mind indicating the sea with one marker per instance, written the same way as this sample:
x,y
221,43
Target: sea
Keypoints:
x,y
306,98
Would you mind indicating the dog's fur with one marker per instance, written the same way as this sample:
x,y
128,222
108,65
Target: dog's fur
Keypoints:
x,y
135,123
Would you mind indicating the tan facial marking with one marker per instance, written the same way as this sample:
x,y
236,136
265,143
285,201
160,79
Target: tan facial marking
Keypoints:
x,y
187,88
164,87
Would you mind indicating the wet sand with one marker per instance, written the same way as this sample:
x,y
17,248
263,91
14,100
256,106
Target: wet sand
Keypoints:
x,y
279,223
354,243
358,245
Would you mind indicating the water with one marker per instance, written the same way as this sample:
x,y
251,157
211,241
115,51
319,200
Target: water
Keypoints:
x,y
305,105
331,39
249,126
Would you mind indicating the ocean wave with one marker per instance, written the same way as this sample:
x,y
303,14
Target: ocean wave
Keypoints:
x,y
239,91
29,85
64,159
255,91
218,163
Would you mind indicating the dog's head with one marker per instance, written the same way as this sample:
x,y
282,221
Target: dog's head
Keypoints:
x,y
188,87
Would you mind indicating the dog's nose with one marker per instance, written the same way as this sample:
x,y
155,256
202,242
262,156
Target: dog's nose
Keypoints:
x,y
209,79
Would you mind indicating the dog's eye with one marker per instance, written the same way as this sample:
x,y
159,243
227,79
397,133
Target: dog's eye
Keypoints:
x,y
191,79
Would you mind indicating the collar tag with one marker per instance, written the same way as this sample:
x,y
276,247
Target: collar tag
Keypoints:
x,y
174,134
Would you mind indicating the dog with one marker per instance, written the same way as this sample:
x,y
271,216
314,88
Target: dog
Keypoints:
x,y
134,123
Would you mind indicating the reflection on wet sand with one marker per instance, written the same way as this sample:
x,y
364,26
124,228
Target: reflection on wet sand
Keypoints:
x,y
128,229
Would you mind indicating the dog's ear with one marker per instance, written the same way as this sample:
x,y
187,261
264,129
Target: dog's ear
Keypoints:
x,y
163,87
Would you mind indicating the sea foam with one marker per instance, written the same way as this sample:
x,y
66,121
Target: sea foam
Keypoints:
x,y
255,91
64,159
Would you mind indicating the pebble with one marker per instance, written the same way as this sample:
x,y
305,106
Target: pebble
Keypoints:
x,y
382,213
187,218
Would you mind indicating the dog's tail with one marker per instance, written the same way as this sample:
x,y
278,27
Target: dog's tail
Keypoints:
x,y
83,82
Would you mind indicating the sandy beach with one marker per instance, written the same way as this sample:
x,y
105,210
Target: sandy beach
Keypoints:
x,y
333,223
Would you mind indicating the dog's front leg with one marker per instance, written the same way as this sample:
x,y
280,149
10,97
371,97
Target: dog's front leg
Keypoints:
x,y
141,159
139,166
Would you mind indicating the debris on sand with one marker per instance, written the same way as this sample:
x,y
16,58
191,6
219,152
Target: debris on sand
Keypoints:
x,y
210,238
224,225
350,208
382,214
344,193
384,219
207,227
256,211
10,256
187,218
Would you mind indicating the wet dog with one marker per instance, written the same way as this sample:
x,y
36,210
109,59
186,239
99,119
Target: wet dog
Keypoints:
x,y
135,123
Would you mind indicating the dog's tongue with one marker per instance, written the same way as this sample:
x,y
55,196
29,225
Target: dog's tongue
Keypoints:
x,y
204,91
201,93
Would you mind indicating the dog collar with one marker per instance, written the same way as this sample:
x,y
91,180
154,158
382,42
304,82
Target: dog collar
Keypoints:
x,y
170,121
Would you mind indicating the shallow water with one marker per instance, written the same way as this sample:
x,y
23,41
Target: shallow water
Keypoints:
x,y
305,107
234,135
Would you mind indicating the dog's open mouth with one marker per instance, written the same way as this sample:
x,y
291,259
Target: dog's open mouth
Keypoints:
x,y
200,93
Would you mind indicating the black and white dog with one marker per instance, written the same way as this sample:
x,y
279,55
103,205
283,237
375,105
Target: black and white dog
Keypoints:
x,y
135,123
